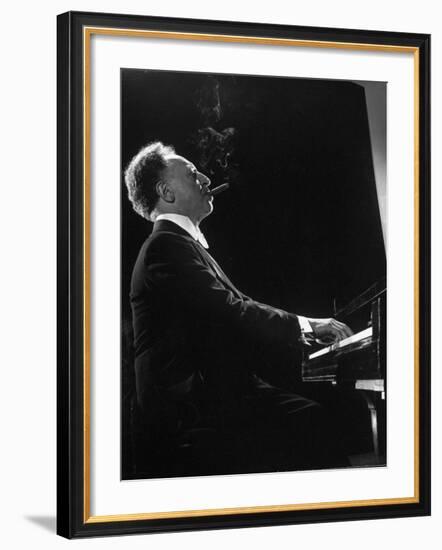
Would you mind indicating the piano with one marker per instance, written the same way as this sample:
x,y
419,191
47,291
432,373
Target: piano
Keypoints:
x,y
357,363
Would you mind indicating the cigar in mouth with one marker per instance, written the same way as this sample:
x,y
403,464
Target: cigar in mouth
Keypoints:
x,y
219,189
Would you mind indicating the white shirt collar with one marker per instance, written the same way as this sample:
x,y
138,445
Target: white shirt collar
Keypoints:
x,y
185,223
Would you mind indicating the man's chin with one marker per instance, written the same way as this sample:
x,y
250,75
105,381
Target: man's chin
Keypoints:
x,y
208,210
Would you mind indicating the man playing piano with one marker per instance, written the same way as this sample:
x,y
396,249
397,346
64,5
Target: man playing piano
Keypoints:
x,y
205,353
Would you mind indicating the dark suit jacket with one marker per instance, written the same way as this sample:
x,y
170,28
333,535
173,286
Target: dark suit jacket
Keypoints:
x,y
198,340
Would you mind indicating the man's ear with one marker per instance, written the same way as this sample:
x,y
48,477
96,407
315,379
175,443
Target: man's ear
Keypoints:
x,y
164,191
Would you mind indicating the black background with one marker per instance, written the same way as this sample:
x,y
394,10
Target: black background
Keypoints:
x,y
299,226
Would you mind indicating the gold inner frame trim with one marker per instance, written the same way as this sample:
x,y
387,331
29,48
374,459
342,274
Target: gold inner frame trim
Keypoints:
x,y
416,275
87,34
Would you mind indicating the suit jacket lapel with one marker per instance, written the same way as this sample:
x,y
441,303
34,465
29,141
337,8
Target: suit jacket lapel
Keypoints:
x,y
221,276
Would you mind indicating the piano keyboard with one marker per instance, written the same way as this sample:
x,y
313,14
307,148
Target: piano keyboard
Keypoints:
x,y
367,333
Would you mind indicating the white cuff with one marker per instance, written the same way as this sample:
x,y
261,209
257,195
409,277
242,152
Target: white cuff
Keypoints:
x,y
304,324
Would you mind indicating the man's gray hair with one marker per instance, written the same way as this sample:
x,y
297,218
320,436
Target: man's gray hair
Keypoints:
x,y
143,173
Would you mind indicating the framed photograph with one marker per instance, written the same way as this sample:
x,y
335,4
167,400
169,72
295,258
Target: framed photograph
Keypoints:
x,y
243,274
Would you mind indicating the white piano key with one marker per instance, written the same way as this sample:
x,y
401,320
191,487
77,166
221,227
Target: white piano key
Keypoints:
x,y
345,342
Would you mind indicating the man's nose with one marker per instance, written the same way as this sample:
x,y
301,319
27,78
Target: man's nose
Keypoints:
x,y
203,179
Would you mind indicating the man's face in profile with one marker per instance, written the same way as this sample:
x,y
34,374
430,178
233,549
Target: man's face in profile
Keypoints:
x,y
190,188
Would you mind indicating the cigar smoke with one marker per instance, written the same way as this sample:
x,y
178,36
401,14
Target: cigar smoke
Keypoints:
x,y
214,141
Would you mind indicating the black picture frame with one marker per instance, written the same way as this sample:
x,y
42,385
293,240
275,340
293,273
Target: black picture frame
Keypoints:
x,y
73,499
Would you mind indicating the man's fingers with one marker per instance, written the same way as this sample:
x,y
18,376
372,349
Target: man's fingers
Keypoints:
x,y
330,329
343,330
348,331
341,334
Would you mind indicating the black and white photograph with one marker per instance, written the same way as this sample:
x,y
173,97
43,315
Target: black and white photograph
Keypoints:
x,y
253,274
243,274
217,263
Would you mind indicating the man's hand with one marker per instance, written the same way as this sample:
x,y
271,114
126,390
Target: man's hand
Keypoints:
x,y
329,331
